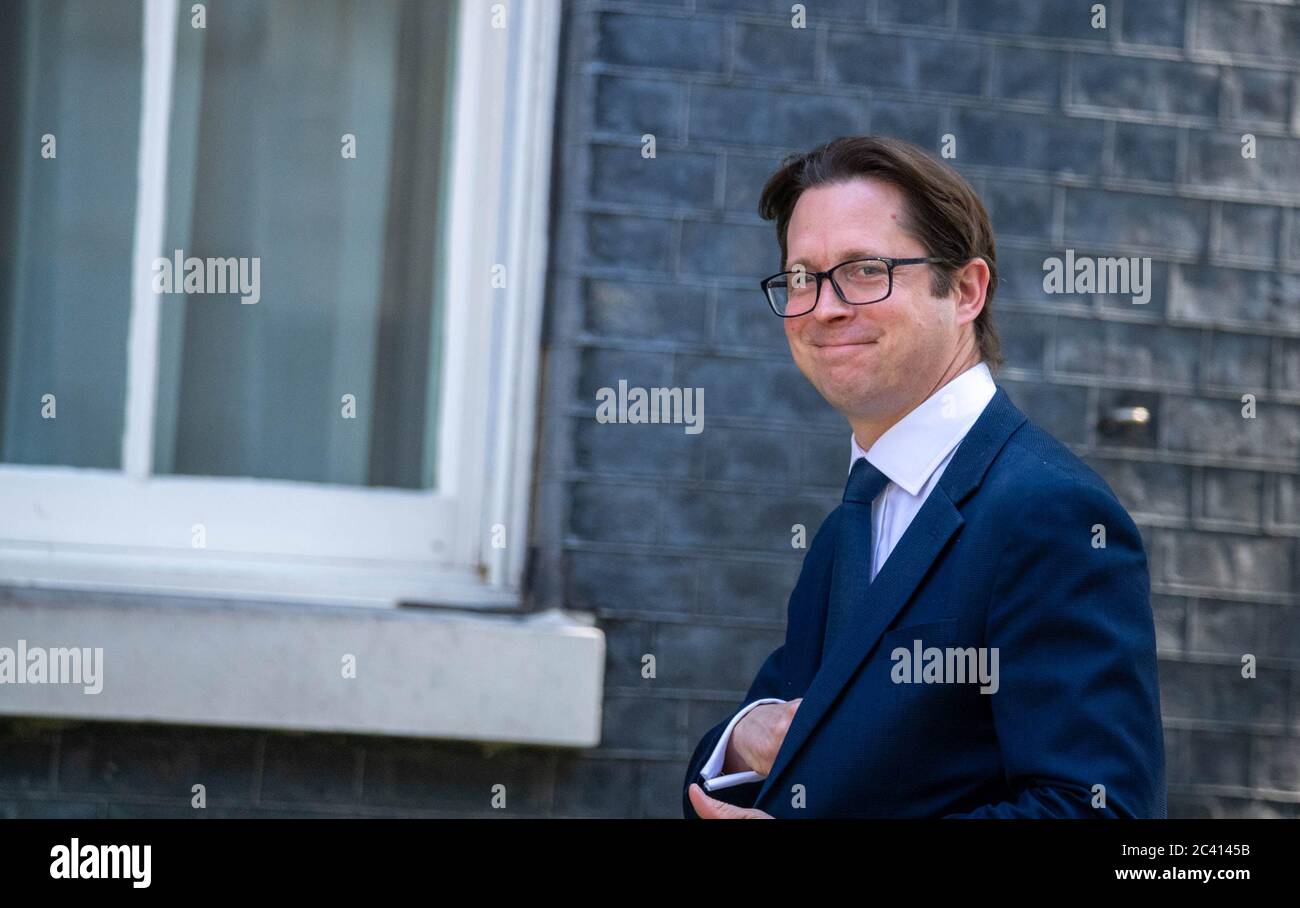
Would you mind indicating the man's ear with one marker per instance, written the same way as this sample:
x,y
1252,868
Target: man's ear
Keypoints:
x,y
970,287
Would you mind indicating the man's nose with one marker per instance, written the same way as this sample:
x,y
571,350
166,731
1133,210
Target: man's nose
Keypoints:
x,y
829,306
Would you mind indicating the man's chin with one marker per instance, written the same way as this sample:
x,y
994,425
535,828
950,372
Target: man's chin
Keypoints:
x,y
846,395
849,371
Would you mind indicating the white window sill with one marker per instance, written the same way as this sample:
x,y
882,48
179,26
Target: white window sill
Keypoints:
x,y
534,679
230,575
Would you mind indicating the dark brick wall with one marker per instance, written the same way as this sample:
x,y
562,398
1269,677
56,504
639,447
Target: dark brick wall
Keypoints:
x,y
1123,141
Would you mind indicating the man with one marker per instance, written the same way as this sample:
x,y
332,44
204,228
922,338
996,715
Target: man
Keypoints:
x,y
970,635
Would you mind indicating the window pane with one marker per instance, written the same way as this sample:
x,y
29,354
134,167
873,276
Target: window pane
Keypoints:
x,y
343,247
70,70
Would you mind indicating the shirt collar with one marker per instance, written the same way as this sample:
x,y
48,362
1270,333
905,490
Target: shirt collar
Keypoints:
x,y
912,448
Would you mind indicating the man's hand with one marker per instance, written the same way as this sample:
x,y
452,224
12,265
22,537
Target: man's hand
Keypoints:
x,y
712,809
756,738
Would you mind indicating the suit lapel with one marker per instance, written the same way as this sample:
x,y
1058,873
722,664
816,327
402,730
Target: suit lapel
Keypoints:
x,y
902,572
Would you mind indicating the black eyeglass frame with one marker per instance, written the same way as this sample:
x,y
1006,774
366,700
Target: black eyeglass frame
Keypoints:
x,y
890,265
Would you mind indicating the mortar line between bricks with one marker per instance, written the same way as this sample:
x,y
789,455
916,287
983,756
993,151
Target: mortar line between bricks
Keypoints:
x,y
1176,190
1144,520
818,494
695,694
1056,375
680,218
693,619
1189,459
1225,525
1233,661
1267,600
54,797
1182,154
1213,235
1253,769
825,495
1269,504
1234,791
1054,379
1280,662
56,759
646,693
821,54
632,549
1108,143
583,342
866,94
1103,46
637,754
1278,598
598,342
724,217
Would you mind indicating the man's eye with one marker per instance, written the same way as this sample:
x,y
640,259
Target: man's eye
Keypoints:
x,y
862,273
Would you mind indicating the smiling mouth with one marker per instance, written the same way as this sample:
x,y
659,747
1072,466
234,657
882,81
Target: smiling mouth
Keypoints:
x,y
848,344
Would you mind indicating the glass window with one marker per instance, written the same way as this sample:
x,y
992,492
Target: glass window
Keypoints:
x,y
331,396
307,143
70,77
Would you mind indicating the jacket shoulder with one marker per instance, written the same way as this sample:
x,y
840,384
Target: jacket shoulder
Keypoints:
x,y
1036,480
1034,459
1046,503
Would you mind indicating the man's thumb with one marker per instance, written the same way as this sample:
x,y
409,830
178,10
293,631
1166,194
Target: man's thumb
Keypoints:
x,y
708,807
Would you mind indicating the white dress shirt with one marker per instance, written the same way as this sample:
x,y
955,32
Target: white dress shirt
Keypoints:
x,y
912,453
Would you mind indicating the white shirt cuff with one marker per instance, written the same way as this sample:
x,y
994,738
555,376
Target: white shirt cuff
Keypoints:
x,y
713,766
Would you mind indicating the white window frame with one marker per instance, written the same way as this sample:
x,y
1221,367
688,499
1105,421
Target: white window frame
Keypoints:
x,y
270,539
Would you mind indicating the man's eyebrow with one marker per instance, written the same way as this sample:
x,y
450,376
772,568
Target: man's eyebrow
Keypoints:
x,y
847,255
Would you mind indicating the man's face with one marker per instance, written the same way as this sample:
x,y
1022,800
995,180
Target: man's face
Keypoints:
x,y
869,360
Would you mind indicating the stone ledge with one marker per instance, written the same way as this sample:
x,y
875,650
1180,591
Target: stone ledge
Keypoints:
x,y
429,673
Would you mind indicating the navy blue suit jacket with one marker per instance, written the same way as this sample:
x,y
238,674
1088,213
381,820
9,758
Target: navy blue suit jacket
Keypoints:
x,y
1002,554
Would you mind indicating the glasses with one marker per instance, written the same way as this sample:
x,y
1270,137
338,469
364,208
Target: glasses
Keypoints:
x,y
857,282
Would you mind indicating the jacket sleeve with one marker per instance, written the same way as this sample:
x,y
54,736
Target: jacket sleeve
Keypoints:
x,y
1077,708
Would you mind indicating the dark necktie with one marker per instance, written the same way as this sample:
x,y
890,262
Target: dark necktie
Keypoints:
x,y
851,570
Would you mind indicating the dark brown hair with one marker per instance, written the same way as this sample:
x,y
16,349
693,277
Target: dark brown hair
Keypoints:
x,y
943,213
